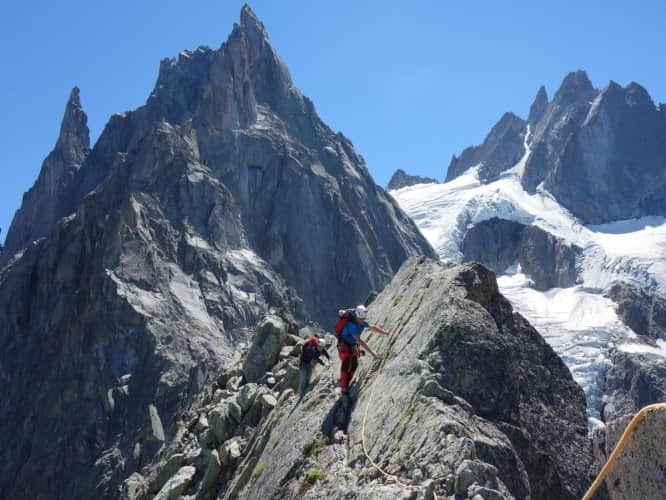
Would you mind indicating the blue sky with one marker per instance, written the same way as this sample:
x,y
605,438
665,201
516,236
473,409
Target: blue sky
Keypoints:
x,y
410,83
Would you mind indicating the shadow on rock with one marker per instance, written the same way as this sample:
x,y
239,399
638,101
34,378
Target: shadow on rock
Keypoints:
x,y
338,417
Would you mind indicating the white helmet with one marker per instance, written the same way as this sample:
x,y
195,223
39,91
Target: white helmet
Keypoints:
x,y
321,342
360,311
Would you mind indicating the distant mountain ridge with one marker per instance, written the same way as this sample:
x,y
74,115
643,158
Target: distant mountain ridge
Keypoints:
x,y
401,179
601,153
595,291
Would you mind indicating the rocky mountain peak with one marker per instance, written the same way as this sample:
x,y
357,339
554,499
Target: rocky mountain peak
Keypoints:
x,y
576,86
45,202
509,120
223,88
611,165
250,21
600,153
501,149
74,139
266,72
616,98
538,107
401,179
637,95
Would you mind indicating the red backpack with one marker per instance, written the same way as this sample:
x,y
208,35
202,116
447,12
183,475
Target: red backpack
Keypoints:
x,y
345,316
311,342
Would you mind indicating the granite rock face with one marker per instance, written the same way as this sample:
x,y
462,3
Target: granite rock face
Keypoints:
x,y
539,107
614,165
553,132
633,381
601,153
137,269
468,401
495,243
500,243
401,179
501,149
113,322
48,200
642,310
548,260
304,194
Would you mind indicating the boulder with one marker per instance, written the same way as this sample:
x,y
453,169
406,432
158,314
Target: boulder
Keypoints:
x,y
474,472
212,472
134,487
246,396
269,338
168,470
221,421
177,485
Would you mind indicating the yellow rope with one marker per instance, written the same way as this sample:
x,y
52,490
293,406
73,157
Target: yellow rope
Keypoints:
x,y
628,432
391,477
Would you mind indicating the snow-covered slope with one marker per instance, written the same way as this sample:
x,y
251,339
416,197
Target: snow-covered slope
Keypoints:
x,y
579,322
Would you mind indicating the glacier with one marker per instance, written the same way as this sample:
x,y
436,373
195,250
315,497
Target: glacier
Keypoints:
x,y
579,322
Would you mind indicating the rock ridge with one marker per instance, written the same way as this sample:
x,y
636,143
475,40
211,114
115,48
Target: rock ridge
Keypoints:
x,y
519,434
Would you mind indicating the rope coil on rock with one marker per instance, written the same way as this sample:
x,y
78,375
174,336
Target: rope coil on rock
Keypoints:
x,y
628,432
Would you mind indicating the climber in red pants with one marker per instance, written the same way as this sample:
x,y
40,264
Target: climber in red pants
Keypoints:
x,y
349,343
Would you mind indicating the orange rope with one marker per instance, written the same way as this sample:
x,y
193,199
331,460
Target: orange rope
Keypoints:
x,y
628,432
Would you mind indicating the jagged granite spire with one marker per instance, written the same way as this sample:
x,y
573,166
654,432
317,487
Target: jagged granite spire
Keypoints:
x,y
250,21
74,139
501,149
601,153
538,107
613,164
47,200
551,133
576,86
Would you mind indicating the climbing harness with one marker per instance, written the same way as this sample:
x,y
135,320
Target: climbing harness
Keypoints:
x,y
628,432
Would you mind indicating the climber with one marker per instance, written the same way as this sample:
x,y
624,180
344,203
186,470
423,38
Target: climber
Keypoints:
x,y
312,350
349,340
